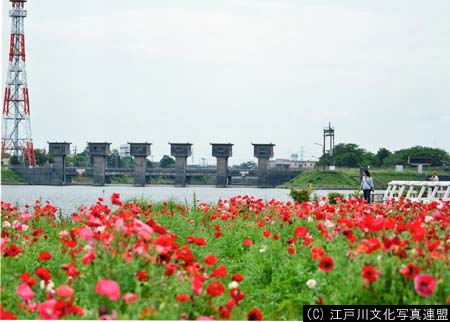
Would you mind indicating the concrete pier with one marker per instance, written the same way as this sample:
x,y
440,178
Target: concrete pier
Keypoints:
x,y
140,152
222,151
99,151
58,150
263,152
181,151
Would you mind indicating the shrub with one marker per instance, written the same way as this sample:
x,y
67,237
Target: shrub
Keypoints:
x,y
357,194
301,195
332,197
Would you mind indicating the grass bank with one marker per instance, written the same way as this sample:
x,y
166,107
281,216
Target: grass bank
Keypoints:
x,y
10,177
349,178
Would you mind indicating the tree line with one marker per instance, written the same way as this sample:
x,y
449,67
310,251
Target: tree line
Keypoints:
x,y
352,156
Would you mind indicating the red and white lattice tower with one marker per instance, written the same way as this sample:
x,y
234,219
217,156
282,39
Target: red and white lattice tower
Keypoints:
x,y
16,127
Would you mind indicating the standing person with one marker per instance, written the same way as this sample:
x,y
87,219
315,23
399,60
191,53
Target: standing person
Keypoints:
x,y
367,185
434,177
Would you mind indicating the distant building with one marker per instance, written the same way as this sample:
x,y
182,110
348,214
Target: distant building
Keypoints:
x,y
291,164
124,150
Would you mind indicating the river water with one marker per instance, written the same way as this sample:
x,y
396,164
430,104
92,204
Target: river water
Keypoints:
x,y
70,198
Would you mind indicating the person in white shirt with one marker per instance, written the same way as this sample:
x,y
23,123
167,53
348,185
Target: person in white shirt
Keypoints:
x,y
434,177
367,185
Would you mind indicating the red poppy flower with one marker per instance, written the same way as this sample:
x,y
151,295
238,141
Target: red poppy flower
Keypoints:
x,y
424,285
200,242
37,232
317,252
326,264
266,233
71,270
44,256
43,273
210,260
276,236
215,288
254,315
291,250
197,283
248,242
237,277
142,276
88,258
221,271
410,271
300,232
115,199
6,315
369,273
183,298
13,250
108,288
28,279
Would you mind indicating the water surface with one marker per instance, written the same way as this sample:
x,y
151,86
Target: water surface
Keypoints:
x,y
70,198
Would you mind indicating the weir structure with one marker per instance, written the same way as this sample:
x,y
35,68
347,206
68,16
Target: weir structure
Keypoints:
x,y
181,151
16,128
222,151
263,152
99,151
59,151
58,173
140,152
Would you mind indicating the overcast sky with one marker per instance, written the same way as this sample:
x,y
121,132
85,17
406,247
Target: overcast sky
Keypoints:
x,y
238,71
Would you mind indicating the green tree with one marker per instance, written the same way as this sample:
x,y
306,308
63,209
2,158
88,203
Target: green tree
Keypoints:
x,y
167,162
14,160
382,154
248,165
41,157
348,155
438,156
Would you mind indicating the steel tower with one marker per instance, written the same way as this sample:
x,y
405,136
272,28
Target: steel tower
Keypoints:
x,y
16,127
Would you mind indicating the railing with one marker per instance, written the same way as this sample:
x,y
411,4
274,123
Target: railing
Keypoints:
x,y
421,191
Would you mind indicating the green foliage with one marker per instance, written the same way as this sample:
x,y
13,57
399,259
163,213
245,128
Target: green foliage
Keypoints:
x,y
248,165
358,194
122,180
41,157
14,160
10,177
382,154
325,180
350,155
439,156
332,197
167,162
301,195
349,179
81,160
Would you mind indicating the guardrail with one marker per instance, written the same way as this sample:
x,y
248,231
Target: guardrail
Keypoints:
x,y
421,191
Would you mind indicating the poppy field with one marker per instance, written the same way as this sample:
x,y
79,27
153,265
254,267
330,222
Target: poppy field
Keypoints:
x,y
239,259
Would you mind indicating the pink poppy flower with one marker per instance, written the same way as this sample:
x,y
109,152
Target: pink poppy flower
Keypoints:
x,y
108,288
129,298
48,310
25,292
64,291
424,285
